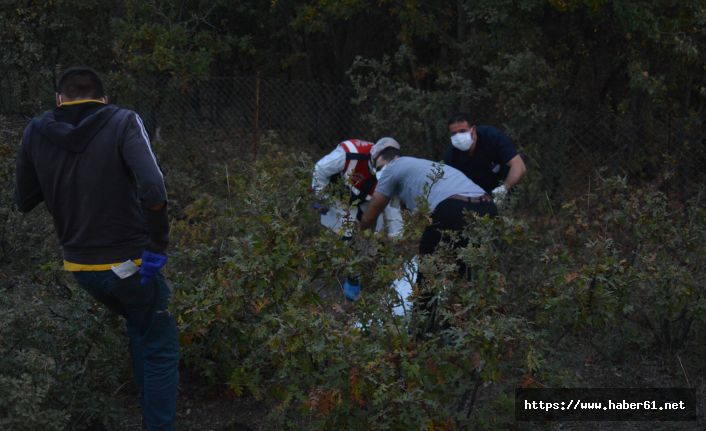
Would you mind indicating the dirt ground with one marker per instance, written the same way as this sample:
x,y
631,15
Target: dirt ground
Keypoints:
x,y
201,410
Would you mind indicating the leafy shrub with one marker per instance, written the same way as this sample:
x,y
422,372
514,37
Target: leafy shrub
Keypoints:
x,y
269,318
63,360
258,300
629,261
262,310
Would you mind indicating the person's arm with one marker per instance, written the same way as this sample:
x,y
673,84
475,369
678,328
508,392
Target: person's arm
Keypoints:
x,y
375,207
138,155
393,220
507,154
517,171
331,164
28,193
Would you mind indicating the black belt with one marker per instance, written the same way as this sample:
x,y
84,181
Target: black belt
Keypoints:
x,y
485,198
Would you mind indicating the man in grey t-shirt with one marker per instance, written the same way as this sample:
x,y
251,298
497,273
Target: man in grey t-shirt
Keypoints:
x,y
447,191
411,179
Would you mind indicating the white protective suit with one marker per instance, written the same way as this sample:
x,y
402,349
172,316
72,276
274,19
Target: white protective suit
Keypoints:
x,y
338,219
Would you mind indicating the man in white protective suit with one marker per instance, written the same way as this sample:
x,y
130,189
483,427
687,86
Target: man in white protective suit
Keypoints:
x,y
350,162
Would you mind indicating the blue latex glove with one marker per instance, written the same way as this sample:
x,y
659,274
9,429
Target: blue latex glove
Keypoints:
x,y
152,262
321,208
351,290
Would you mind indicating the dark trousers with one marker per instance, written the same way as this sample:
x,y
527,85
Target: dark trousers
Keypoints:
x,y
447,216
154,346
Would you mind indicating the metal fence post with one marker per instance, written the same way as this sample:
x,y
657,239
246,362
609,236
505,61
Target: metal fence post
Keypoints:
x,y
256,125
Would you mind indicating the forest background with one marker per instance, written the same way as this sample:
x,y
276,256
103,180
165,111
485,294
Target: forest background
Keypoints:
x,y
594,277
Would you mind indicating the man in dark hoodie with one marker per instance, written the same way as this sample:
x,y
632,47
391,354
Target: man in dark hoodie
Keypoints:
x,y
93,166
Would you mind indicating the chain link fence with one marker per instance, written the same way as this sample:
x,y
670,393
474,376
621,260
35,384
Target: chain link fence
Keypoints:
x,y
667,151
231,114
240,109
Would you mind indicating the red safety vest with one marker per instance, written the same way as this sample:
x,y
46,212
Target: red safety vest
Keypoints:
x,y
356,171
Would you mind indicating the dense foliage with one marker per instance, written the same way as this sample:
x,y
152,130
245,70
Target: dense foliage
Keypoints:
x,y
613,277
642,56
617,271
594,278
577,84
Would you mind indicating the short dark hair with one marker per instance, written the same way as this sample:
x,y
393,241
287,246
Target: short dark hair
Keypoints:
x,y
388,154
76,82
460,117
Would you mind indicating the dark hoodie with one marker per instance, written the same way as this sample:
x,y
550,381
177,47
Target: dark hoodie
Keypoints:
x,y
93,167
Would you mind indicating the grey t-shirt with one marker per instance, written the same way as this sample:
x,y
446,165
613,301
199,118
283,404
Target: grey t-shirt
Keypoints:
x,y
409,178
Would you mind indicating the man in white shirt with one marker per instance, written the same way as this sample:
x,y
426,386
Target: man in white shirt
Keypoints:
x,y
350,162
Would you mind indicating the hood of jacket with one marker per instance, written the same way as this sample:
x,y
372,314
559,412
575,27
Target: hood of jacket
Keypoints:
x,y
73,127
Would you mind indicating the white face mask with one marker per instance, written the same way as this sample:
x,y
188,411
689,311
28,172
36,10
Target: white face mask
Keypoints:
x,y
462,141
378,172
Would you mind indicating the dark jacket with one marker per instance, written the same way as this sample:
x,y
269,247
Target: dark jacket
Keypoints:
x,y
488,165
93,167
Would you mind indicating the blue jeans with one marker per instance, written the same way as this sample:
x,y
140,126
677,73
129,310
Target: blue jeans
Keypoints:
x,y
154,346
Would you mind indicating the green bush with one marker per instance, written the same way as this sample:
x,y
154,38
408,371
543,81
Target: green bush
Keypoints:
x,y
63,360
629,261
618,271
270,320
261,309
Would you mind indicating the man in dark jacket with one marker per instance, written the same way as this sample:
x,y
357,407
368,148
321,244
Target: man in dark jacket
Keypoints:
x,y
485,154
92,165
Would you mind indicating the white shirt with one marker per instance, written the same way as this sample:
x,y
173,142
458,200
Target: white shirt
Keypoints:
x,y
332,164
